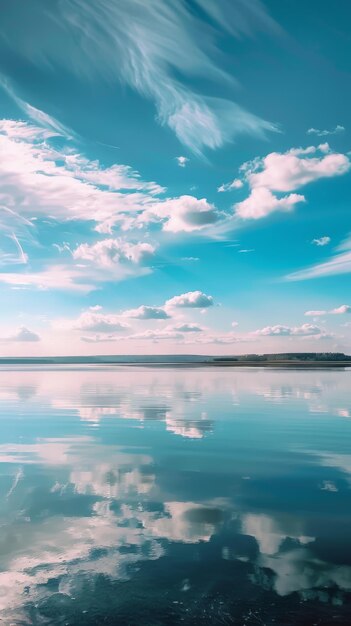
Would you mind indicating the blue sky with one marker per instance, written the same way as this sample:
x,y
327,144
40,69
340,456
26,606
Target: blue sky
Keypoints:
x,y
174,177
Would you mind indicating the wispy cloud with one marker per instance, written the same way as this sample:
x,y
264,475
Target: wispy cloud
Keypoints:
x,y
155,47
339,263
36,115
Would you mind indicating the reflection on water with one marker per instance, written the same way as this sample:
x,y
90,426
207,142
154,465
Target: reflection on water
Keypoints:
x,y
134,495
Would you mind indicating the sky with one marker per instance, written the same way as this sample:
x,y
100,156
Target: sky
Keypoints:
x,y
174,177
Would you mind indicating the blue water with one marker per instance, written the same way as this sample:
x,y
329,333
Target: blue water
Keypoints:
x,y
150,496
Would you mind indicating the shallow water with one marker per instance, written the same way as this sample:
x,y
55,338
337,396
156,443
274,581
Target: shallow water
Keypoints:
x,y
145,496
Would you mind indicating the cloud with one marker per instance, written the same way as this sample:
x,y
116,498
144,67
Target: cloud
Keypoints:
x,y
315,313
56,277
38,178
235,184
344,308
154,48
182,161
184,214
261,202
93,322
323,133
23,335
111,252
188,328
291,170
280,330
286,172
192,299
147,313
322,241
147,335
36,115
340,263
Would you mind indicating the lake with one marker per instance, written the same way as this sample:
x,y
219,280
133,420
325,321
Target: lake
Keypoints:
x,y
134,495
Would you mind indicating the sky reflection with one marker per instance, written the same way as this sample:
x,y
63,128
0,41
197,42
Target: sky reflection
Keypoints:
x,y
107,473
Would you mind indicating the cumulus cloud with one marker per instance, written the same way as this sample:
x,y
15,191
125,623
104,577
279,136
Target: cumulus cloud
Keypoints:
x,y
91,321
144,312
322,241
235,184
324,133
147,335
111,252
154,48
280,173
261,202
188,328
191,299
344,308
280,330
182,161
183,214
341,310
23,335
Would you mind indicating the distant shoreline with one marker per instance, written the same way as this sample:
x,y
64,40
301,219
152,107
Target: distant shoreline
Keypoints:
x,y
274,364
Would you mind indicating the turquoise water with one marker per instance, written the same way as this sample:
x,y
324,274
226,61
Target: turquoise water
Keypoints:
x,y
166,496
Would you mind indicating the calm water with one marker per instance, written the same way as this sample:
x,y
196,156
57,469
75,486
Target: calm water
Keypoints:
x,y
167,496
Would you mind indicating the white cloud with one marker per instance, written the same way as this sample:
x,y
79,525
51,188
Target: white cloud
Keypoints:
x,y
286,172
192,299
341,310
55,277
235,184
280,330
340,263
183,214
188,328
289,171
110,252
154,48
147,313
315,313
90,321
147,335
39,179
344,308
182,161
261,202
323,133
23,335
322,241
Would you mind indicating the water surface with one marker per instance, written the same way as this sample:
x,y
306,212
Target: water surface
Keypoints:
x,y
145,496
